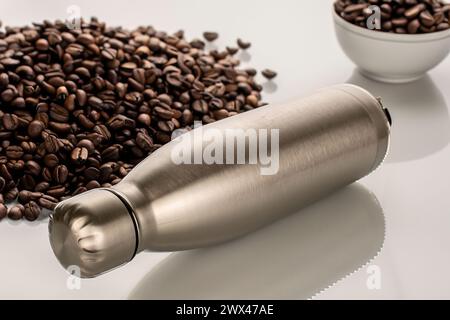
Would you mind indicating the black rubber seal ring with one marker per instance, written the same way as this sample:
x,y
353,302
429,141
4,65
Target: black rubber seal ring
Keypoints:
x,y
132,216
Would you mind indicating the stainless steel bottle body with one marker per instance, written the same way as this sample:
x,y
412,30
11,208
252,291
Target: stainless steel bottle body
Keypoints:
x,y
326,141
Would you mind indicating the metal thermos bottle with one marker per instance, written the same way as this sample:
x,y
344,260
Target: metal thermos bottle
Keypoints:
x,y
325,141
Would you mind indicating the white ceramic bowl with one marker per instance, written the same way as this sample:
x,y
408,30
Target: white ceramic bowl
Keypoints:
x,y
390,57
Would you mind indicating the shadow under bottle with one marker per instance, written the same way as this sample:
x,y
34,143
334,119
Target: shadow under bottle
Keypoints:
x,y
294,258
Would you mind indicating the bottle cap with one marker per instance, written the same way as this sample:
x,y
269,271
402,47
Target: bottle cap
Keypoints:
x,y
94,232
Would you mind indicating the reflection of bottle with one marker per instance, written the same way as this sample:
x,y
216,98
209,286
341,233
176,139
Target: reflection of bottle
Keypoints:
x,y
301,255
326,141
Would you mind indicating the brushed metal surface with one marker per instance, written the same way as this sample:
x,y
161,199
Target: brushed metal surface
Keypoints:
x,y
326,141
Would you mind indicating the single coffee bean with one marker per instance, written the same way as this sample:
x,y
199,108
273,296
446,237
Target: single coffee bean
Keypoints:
x,y
144,119
220,114
385,8
413,26
51,144
109,54
4,80
174,79
56,192
85,122
251,72
88,144
48,202
51,160
120,122
144,141
43,117
16,212
27,182
269,74
355,7
111,153
54,38
60,128
60,174
47,175
14,152
31,211
105,171
95,102
19,103
79,155
9,62
414,11
210,36
243,44
42,186
11,194
86,39
92,185
442,26
200,106
103,131
69,103
42,45
25,72
245,88
10,121
399,22
35,128
4,172
92,173
252,100
427,19
26,196
81,97
33,167
59,113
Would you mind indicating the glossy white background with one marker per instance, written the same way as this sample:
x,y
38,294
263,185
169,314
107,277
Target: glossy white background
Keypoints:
x,y
310,251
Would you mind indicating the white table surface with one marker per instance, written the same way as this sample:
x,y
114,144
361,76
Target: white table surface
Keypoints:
x,y
401,211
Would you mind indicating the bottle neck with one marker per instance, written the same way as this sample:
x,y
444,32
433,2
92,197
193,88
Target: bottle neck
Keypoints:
x,y
139,204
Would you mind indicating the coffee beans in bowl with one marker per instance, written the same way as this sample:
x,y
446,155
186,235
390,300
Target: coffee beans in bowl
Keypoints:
x,y
393,41
79,108
399,16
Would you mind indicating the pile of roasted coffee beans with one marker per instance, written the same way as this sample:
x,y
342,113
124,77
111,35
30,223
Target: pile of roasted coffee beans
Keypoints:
x,y
79,108
398,16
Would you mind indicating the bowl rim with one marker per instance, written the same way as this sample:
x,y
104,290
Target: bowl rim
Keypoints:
x,y
386,36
